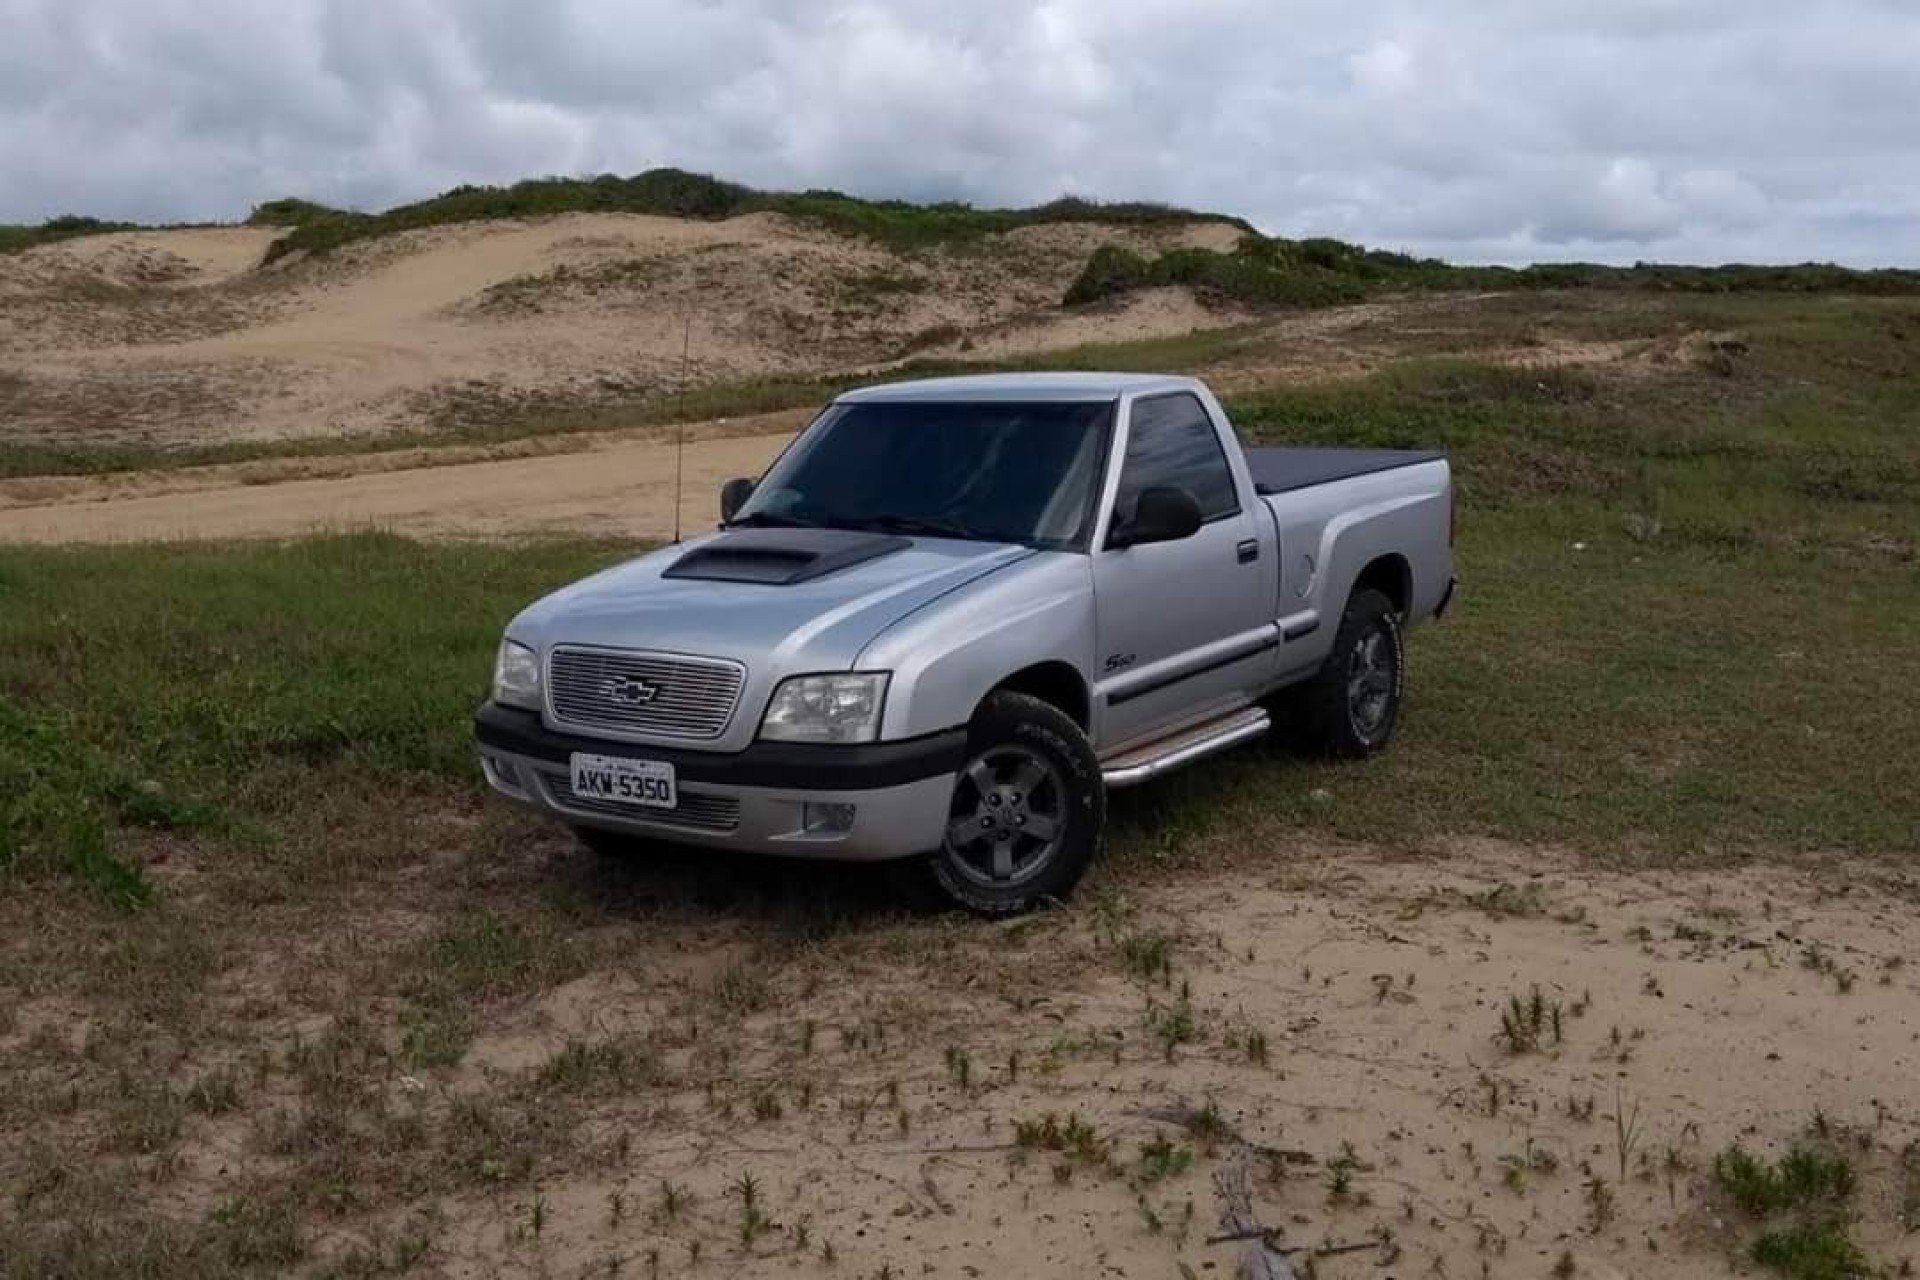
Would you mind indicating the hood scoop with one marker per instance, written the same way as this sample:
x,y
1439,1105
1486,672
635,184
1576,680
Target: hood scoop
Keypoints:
x,y
782,557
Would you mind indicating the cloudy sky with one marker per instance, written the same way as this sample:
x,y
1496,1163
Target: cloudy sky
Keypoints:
x,y
1490,130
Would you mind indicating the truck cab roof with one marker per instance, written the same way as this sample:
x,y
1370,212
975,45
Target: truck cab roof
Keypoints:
x,y
1022,386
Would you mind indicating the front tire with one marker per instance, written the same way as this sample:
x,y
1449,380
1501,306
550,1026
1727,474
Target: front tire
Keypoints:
x,y
1351,706
1028,809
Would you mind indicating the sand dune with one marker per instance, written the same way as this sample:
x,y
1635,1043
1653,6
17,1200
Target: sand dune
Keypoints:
x,y
169,338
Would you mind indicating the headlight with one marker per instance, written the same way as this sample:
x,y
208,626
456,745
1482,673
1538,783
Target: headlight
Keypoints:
x,y
516,676
834,708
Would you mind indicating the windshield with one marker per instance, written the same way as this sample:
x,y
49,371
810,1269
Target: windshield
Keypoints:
x,y
986,470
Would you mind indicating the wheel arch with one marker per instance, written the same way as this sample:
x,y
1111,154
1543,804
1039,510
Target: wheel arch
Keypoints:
x,y
1391,576
1058,684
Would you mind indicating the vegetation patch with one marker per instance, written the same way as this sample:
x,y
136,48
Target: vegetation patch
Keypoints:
x,y
1240,276
1163,1158
676,193
1614,535
617,1063
242,1236
18,239
1070,1136
483,957
1530,1022
63,799
251,696
292,212
1803,1197
1264,271
1818,1251
1805,1177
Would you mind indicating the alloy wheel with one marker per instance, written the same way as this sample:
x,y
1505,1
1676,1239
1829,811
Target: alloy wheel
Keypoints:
x,y
1009,813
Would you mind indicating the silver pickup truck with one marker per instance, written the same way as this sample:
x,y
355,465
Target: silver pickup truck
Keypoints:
x,y
955,613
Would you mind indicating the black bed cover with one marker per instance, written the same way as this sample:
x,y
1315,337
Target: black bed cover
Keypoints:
x,y
1284,470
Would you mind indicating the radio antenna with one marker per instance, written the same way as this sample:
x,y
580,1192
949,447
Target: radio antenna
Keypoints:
x,y
679,426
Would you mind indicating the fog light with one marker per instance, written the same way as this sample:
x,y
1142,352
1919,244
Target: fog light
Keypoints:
x,y
826,819
504,774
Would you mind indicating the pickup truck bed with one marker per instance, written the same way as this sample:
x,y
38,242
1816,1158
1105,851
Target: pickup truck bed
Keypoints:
x,y
1284,470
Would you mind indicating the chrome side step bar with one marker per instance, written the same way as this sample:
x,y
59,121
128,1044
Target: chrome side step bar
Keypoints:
x,y
1169,753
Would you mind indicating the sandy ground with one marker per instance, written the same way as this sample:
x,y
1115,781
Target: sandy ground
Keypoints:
x,y
1081,1093
1700,1009
620,482
621,486
177,337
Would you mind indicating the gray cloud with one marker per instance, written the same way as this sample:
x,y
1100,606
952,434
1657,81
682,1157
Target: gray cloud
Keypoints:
x,y
1483,130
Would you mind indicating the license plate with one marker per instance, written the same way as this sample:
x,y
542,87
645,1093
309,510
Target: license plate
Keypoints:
x,y
644,784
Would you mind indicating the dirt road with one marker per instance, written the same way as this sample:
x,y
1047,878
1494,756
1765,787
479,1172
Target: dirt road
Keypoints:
x,y
621,487
620,483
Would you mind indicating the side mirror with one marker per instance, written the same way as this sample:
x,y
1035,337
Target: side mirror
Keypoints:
x,y
1161,514
733,496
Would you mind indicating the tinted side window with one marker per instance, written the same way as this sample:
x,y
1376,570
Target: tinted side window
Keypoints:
x,y
1172,442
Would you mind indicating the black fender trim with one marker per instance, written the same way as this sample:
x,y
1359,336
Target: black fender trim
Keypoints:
x,y
797,766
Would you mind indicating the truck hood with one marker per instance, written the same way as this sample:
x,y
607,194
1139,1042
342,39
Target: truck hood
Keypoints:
x,y
779,604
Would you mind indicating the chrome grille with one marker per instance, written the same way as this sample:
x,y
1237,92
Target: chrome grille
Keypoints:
x,y
697,810
691,698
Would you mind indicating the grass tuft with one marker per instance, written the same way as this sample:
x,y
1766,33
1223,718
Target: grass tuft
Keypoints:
x,y
1162,1159
1148,956
1071,1136
741,989
1529,1023
1804,1177
622,1063
1813,1251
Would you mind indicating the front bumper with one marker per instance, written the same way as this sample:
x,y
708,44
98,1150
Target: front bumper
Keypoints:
x,y
759,800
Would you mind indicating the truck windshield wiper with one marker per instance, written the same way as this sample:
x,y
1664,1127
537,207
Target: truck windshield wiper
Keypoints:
x,y
769,520
929,527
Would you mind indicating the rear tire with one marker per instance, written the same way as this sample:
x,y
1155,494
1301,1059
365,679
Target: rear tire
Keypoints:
x,y
1028,810
1349,708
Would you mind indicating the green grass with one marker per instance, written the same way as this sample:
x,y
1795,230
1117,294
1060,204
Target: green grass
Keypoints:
x,y
65,796
15,238
1816,1251
193,689
1685,630
900,224
1686,619
1243,275
1263,271
1070,1136
1805,1177
1161,1159
676,193
1804,1197
619,1063
241,1236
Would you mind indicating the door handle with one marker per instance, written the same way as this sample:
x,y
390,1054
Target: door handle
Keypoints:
x,y
1248,551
